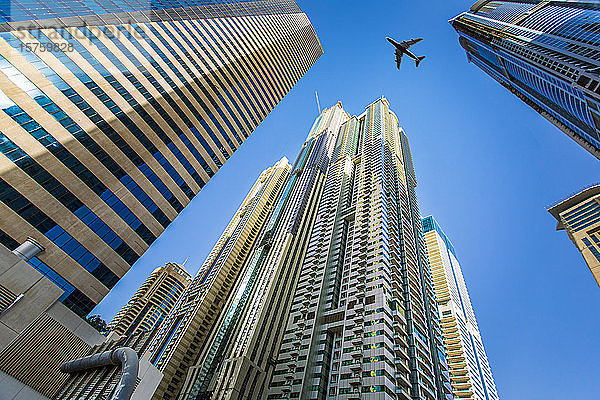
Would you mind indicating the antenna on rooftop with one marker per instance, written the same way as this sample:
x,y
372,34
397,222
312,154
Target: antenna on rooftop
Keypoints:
x,y
318,105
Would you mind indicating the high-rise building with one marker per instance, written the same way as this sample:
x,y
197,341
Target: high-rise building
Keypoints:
x,y
152,302
239,359
544,52
470,372
363,322
115,114
335,298
186,329
579,215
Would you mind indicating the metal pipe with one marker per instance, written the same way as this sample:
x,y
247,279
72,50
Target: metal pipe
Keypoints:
x,y
29,249
125,356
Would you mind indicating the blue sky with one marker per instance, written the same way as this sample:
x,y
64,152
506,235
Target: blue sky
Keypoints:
x,y
487,167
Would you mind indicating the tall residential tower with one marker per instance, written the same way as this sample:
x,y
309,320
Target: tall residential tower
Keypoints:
x,y
185,332
363,322
470,371
547,53
152,302
335,298
115,114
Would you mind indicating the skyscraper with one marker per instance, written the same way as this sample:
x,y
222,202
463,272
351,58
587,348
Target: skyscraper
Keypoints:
x,y
544,52
115,114
335,298
239,359
470,372
152,302
185,331
579,215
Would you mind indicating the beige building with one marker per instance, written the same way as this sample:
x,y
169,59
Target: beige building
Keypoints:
x,y
37,332
114,117
470,372
360,322
152,302
579,215
183,336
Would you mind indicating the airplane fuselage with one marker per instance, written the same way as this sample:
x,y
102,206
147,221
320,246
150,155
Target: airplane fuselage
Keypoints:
x,y
402,48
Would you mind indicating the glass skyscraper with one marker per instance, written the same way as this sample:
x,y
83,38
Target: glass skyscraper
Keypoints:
x,y
470,372
115,114
546,53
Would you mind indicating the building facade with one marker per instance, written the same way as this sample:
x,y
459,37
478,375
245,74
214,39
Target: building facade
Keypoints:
x,y
152,302
363,322
470,372
240,358
546,53
115,116
37,332
185,332
579,215
335,299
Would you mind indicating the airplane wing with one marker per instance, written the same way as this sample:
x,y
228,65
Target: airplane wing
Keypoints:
x,y
407,43
398,58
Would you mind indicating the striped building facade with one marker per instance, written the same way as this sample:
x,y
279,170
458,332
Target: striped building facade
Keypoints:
x,y
470,371
184,334
152,302
546,52
114,117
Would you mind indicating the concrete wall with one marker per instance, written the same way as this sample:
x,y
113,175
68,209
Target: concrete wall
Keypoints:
x,y
37,333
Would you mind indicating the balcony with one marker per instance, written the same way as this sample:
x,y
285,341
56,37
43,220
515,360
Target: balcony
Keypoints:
x,y
355,381
356,367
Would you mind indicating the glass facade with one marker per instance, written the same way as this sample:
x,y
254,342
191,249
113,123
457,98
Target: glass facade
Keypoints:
x,y
113,115
545,52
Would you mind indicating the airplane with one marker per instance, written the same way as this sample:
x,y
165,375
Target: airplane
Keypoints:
x,y
402,48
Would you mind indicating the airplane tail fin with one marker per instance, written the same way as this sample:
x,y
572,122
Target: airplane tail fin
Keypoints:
x,y
418,60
